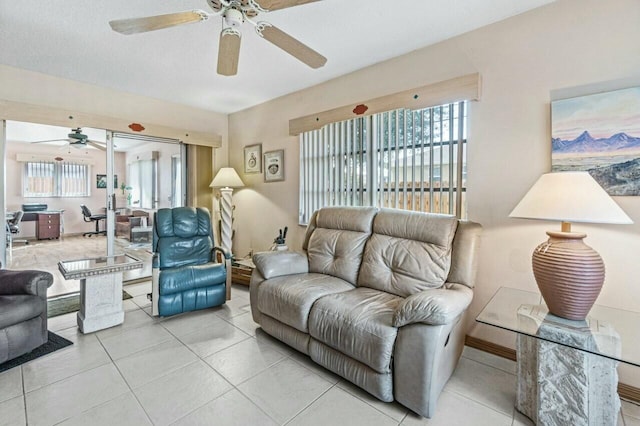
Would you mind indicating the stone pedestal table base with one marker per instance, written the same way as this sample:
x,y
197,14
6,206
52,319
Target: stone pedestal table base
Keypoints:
x,y
559,385
100,302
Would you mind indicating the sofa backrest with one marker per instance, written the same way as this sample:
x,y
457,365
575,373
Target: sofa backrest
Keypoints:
x,y
407,252
464,256
182,236
336,238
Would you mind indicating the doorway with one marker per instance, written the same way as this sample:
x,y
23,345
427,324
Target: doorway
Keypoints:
x,y
120,176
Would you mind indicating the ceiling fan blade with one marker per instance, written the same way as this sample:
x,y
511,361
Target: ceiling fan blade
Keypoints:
x,y
52,140
290,45
97,145
269,5
152,23
229,51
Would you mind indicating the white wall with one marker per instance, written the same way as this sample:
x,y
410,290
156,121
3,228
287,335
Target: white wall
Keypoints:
x,y
522,60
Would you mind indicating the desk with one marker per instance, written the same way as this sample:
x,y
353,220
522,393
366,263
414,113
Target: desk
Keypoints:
x,y
100,289
566,369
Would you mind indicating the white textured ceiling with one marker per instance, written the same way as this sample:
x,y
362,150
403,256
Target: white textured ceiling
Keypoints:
x,y
72,39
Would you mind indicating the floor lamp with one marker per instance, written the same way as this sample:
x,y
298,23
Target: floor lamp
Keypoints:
x,y
226,180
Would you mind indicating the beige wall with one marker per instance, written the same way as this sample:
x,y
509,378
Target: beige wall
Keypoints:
x,y
522,61
30,87
40,89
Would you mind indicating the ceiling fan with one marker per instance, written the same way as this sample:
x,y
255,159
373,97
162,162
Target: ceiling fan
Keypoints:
x,y
77,139
234,13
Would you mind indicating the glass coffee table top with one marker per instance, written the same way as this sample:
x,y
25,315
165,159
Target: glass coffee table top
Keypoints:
x,y
610,332
80,268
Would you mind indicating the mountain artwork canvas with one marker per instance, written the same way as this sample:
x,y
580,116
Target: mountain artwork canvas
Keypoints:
x,y
600,134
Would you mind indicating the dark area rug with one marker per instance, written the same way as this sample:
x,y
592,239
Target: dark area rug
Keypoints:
x,y
55,342
70,303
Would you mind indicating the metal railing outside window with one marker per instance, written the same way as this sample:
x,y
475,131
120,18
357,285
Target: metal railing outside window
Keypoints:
x,y
413,160
56,179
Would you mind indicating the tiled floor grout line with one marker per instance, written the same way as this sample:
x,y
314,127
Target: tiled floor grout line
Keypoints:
x,y
24,396
302,410
125,381
251,401
488,365
375,408
479,402
233,387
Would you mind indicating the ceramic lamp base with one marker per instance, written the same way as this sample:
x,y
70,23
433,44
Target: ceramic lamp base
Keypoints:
x,y
569,274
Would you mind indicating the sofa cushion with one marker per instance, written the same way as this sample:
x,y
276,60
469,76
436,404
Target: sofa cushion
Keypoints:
x,y
18,308
289,298
336,239
184,278
357,323
408,252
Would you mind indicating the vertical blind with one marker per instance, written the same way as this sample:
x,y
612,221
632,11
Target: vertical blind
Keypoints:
x,y
55,179
413,160
143,181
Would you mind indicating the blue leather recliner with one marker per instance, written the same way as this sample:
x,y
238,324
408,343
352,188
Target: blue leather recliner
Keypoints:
x,y
185,275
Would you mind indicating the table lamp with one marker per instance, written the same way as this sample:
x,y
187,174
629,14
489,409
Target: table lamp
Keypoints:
x,y
569,273
226,180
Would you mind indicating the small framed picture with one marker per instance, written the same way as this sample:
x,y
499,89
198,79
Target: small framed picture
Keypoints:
x,y
101,181
253,158
274,166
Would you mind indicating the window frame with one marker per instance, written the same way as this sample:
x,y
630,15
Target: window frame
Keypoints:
x,y
57,176
387,138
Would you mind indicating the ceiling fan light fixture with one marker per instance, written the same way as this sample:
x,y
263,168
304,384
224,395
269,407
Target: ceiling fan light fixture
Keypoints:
x,y
233,17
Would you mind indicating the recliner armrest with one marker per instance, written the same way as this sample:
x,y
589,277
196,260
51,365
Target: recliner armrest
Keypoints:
x,y
436,307
25,282
273,264
225,252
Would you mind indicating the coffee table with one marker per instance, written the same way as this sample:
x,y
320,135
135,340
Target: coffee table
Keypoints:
x,y
100,288
566,369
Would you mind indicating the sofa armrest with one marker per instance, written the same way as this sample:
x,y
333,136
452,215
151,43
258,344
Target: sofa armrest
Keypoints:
x,y
273,264
25,282
436,307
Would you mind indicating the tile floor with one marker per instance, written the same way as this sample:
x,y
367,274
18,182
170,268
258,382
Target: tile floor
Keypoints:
x,y
217,367
45,255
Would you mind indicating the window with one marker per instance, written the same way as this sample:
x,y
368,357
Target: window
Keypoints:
x,y
176,181
56,179
413,160
142,179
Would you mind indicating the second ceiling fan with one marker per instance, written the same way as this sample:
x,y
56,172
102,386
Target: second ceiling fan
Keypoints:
x,y
234,14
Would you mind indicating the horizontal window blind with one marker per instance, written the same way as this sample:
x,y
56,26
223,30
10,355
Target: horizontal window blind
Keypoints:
x,y
413,160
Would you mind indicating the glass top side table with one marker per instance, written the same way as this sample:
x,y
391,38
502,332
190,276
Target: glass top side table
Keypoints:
x,y
566,370
502,312
100,288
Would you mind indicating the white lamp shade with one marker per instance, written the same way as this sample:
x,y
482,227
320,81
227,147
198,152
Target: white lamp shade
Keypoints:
x,y
569,197
226,178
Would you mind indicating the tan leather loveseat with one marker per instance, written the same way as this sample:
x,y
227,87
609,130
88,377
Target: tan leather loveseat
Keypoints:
x,y
377,297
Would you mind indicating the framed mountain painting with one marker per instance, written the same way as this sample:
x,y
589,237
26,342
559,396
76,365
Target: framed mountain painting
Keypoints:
x,y
600,134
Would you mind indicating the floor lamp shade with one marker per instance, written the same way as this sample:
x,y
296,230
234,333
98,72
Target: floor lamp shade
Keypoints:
x,y
569,273
226,179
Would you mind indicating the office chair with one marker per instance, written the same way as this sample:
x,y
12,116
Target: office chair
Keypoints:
x,y
88,217
14,226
